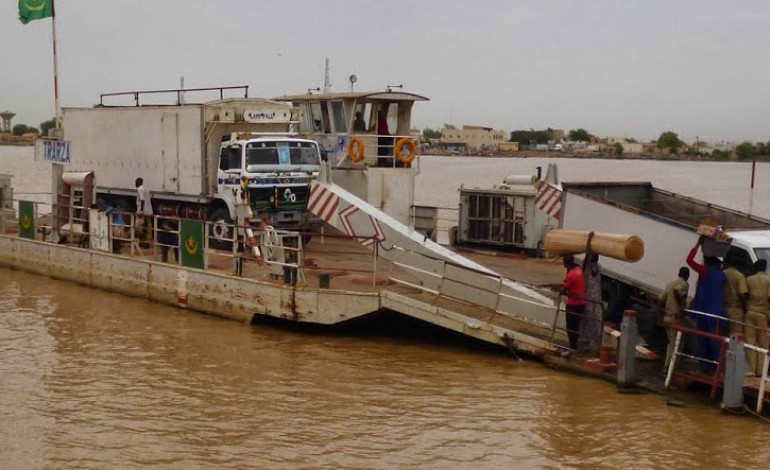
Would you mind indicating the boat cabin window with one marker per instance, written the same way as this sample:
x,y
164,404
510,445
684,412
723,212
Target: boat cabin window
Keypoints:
x,y
762,253
338,115
316,117
391,109
363,120
230,158
260,155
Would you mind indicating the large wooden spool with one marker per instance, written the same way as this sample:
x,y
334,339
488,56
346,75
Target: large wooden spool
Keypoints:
x,y
569,242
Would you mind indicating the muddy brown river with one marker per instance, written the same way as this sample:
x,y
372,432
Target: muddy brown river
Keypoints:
x,y
93,380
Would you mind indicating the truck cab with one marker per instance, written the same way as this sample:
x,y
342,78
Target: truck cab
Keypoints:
x,y
276,172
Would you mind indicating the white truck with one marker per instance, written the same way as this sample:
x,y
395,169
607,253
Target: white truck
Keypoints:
x,y
667,223
192,157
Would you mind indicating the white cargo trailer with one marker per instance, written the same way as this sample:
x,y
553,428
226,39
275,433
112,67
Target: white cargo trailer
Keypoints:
x,y
192,156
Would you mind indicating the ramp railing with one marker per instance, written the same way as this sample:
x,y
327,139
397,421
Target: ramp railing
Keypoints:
x,y
476,288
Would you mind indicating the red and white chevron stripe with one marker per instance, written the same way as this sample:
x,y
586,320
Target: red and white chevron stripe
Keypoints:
x,y
349,226
548,199
323,203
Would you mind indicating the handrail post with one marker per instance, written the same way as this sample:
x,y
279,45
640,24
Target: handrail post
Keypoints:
x,y
499,292
627,354
375,253
555,322
763,382
735,372
674,358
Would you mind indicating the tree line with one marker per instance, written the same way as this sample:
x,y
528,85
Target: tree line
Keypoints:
x,y
21,129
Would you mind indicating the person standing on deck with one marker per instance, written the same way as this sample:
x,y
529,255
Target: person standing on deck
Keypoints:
x,y
575,290
735,293
757,310
709,299
143,208
673,300
591,325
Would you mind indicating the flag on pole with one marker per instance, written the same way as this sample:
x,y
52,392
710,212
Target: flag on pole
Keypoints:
x,y
548,199
30,10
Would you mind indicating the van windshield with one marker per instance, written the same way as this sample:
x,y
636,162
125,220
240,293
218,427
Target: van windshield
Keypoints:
x,y
763,253
281,156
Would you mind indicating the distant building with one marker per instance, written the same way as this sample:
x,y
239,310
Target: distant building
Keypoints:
x,y
632,148
475,138
508,146
558,135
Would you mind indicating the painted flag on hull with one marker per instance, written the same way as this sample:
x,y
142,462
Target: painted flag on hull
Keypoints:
x,y
548,199
30,10
191,241
27,220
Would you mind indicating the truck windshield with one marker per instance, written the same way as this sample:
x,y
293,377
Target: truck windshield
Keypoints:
x,y
763,253
281,155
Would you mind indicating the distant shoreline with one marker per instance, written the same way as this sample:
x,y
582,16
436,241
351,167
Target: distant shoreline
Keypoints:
x,y
16,141
587,156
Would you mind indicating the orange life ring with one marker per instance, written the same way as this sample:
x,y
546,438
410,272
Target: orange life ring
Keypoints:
x,y
412,150
356,149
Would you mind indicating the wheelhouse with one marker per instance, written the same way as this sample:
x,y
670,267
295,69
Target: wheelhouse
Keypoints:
x,y
360,128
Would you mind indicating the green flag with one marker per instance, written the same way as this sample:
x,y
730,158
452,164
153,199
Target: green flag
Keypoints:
x,y
27,219
30,10
191,243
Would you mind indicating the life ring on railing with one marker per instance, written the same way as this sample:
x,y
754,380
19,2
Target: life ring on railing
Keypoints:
x,y
405,159
356,149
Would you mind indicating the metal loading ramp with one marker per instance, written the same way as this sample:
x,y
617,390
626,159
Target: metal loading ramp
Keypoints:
x,y
438,285
473,303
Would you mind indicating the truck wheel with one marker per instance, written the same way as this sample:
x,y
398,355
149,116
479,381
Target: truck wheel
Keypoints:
x,y
220,229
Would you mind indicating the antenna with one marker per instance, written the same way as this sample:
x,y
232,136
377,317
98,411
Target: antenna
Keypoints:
x,y
327,81
391,87
311,90
181,87
353,79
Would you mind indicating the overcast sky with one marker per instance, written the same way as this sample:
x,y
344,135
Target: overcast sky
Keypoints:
x,y
614,67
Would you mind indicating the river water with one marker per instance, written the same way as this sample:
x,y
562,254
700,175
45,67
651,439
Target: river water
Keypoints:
x,y
93,380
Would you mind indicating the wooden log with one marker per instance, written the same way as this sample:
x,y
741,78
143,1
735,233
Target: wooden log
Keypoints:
x,y
619,246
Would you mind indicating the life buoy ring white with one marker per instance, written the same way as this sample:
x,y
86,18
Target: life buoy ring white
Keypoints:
x,y
356,149
406,159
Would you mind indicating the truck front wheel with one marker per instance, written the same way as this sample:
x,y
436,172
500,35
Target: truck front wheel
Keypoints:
x,y
220,229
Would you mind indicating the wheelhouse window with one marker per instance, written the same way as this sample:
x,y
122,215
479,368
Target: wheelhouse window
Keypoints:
x,y
316,117
230,158
363,119
338,116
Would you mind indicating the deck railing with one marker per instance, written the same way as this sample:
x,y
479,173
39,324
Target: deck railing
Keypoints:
x,y
716,378
127,234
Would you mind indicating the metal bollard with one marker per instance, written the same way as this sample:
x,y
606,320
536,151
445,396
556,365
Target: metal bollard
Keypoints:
x,y
627,353
735,372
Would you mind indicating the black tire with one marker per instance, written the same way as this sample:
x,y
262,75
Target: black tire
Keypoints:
x,y
220,229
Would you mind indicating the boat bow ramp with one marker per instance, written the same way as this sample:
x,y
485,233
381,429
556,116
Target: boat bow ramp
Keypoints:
x,y
439,286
